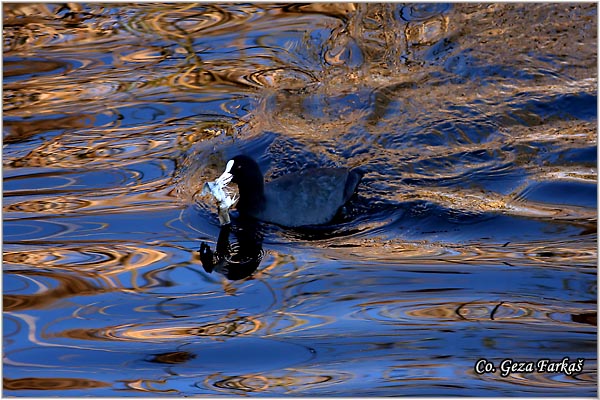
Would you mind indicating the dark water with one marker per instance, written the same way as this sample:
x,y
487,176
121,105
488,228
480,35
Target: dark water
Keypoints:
x,y
473,235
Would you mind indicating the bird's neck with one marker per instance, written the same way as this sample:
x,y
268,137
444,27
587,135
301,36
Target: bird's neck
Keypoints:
x,y
252,195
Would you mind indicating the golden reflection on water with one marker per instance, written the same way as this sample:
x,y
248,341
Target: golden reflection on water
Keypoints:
x,y
177,357
51,384
241,326
289,381
68,286
114,116
145,385
405,312
110,260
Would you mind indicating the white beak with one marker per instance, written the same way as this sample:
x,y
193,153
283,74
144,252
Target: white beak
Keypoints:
x,y
229,166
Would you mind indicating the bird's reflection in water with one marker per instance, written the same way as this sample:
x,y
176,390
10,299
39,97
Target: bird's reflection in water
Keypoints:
x,y
236,260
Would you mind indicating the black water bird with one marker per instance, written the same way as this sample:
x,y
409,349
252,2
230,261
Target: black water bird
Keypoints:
x,y
311,197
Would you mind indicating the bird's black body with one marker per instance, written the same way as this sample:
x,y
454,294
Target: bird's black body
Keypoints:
x,y
311,197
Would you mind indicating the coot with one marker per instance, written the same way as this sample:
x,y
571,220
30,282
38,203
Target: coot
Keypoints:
x,y
311,197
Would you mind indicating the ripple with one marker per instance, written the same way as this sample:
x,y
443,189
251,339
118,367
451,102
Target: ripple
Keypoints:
x,y
26,230
283,79
423,12
252,383
427,32
29,93
52,383
58,205
337,10
131,178
26,69
406,312
118,148
292,381
475,226
175,357
53,288
38,26
11,329
146,56
561,193
189,21
242,326
109,260
43,182
315,115
255,354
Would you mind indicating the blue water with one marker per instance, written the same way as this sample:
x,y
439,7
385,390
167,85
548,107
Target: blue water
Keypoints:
x,y
473,234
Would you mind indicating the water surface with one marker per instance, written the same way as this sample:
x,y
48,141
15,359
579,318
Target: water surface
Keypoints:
x,y
473,234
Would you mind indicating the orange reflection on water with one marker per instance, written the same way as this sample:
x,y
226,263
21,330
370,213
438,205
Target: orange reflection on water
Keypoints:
x,y
68,286
243,326
52,383
287,381
116,113
145,385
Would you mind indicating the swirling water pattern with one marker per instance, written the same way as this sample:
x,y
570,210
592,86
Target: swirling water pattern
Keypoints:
x,y
473,235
